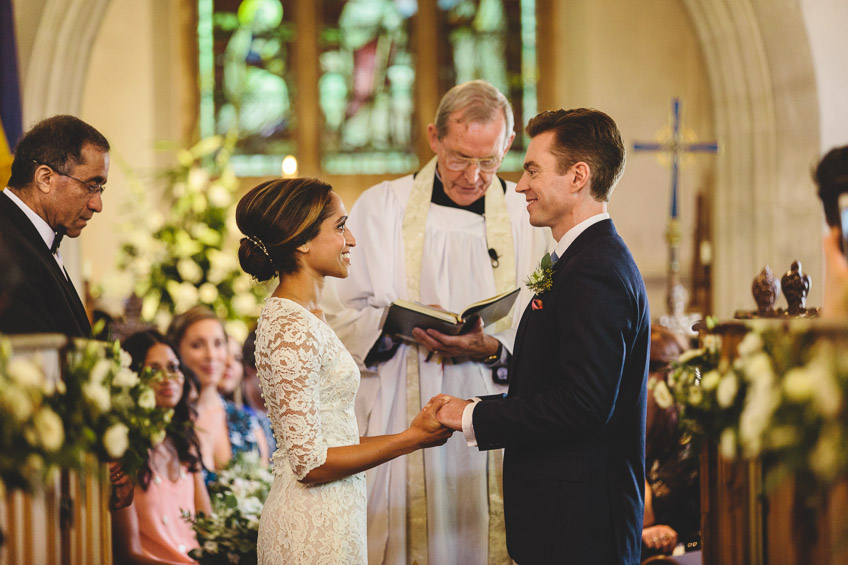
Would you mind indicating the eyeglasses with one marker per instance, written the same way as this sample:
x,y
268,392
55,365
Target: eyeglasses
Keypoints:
x,y
90,187
169,371
456,163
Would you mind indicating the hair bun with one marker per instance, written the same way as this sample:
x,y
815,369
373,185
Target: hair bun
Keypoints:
x,y
255,259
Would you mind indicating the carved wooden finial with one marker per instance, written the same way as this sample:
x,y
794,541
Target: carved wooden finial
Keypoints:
x,y
796,287
766,290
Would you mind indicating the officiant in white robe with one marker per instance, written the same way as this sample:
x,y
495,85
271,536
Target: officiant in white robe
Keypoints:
x,y
451,235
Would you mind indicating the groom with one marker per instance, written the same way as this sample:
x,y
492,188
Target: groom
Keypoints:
x,y
573,424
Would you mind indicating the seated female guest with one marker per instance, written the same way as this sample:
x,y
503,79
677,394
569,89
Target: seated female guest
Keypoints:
x,y
672,489
152,529
224,429
230,385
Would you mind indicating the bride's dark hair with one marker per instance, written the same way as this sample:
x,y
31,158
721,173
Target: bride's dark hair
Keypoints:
x,y
276,218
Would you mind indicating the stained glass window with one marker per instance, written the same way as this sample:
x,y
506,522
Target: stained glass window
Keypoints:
x,y
481,45
247,81
366,66
366,86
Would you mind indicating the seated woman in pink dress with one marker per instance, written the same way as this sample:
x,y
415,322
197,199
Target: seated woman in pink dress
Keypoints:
x,y
152,529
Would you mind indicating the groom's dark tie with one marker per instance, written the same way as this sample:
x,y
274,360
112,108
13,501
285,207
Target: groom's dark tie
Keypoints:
x,y
57,239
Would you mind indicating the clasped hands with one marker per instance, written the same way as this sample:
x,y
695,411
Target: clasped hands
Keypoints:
x,y
437,421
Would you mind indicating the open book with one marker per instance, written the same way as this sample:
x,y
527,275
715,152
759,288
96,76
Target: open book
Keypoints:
x,y
403,315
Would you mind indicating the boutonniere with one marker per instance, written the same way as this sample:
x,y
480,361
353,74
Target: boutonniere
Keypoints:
x,y
542,279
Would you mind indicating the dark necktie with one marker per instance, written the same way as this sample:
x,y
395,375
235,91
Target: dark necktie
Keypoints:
x,y
57,239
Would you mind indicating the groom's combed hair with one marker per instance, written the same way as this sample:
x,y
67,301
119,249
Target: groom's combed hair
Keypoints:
x,y
587,135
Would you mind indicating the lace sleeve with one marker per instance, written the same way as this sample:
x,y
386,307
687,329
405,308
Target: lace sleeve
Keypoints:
x,y
290,376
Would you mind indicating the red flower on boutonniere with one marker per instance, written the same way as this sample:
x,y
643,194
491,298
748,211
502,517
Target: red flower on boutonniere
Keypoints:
x,y
536,304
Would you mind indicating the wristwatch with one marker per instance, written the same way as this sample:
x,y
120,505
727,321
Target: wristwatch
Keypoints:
x,y
494,358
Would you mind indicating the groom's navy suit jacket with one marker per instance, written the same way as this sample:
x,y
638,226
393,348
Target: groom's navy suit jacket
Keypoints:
x,y
573,423
45,301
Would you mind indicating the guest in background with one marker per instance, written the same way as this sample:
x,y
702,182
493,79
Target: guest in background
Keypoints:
x,y
254,402
672,488
224,429
152,530
831,176
230,385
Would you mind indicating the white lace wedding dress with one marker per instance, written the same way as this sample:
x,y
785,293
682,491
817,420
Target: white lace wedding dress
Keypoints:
x,y
309,382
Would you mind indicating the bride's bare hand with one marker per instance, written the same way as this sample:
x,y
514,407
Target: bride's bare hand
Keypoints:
x,y
429,431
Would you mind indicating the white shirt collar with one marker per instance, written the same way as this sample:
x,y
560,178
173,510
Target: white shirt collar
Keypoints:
x,y
44,229
569,237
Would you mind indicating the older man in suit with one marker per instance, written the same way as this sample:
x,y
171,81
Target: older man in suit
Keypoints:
x,y
58,176
573,423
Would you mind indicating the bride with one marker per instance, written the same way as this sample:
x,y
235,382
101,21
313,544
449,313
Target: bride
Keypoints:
x,y
316,510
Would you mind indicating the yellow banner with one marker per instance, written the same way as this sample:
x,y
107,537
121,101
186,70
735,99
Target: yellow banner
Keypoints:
x,y
5,159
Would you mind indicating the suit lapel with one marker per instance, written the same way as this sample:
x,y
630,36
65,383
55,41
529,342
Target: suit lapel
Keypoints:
x,y
11,211
600,229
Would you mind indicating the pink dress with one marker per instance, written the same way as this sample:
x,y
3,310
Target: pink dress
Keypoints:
x,y
164,534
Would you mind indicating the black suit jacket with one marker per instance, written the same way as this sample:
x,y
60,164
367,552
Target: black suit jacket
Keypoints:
x,y
573,424
45,301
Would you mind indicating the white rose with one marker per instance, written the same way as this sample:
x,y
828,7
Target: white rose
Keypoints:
x,y
750,344
50,429
219,196
183,294
125,379
710,380
184,245
124,358
147,399
760,403
207,292
245,305
25,373
197,179
759,367
123,401
116,440
827,392
97,396
33,465
237,329
727,444
210,546
241,285
728,386
100,371
797,385
17,401
662,396
189,270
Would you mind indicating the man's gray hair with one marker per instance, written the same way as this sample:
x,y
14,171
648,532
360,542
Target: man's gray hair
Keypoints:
x,y
479,102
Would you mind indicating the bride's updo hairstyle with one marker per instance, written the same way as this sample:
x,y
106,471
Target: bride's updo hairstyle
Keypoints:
x,y
276,218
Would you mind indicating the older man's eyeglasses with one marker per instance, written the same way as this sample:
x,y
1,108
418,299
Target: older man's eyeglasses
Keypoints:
x,y
92,188
457,163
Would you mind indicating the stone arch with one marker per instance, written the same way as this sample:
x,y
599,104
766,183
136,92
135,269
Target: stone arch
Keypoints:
x,y
763,85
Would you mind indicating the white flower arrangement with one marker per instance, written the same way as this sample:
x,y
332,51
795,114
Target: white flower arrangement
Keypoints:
x,y
100,407
229,533
782,400
188,257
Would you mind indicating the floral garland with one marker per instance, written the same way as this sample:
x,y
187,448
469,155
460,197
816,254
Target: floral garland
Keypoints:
x,y
229,534
781,399
99,406
185,257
